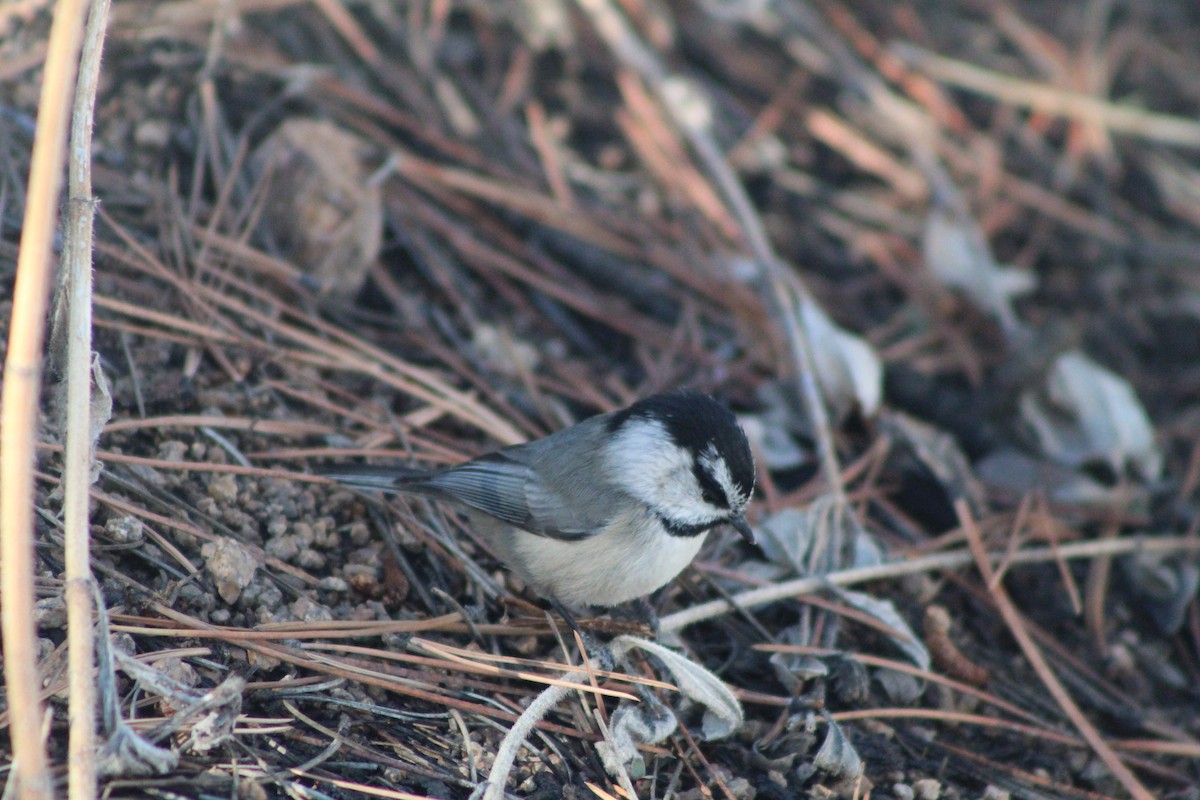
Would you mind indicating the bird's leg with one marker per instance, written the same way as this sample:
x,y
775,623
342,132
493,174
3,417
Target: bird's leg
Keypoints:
x,y
592,646
644,612
567,616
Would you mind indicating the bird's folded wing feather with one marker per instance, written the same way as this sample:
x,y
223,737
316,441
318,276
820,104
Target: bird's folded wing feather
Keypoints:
x,y
510,491
389,478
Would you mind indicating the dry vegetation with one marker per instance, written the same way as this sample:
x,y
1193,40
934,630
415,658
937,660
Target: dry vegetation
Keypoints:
x,y
419,230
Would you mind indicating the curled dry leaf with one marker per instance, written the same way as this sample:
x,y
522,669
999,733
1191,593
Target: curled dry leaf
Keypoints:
x,y
837,757
633,724
772,432
1020,474
127,755
1166,587
211,714
849,372
958,256
774,442
900,688
722,716
723,713
885,611
800,539
1086,413
786,535
321,207
217,713
795,670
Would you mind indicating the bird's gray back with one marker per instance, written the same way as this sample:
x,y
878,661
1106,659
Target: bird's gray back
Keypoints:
x,y
558,486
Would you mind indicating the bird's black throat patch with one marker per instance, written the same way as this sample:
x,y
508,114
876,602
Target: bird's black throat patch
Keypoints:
x,y
686,530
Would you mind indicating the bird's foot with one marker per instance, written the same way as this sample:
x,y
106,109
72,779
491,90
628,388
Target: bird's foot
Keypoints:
x,y
639,611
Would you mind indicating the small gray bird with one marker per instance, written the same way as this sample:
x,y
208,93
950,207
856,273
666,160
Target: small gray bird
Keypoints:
x,y
605,511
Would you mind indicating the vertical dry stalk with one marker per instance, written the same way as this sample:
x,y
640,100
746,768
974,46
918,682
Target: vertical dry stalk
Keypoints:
x,y
77,457
22,374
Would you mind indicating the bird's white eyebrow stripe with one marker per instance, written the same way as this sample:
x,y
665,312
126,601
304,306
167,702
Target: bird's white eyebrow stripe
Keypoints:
x,y
712,460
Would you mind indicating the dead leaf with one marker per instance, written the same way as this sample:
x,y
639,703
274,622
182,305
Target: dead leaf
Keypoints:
x,y
321,208
848,369
1086,413
957,254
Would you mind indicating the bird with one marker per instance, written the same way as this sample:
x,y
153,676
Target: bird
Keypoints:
x,y
603,512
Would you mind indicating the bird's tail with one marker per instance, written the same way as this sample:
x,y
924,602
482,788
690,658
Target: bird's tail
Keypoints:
x,y
377,478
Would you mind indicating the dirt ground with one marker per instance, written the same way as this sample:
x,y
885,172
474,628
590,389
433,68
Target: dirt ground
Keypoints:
x,y
352,230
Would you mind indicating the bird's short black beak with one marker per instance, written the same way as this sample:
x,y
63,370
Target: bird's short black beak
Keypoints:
x,y
741,526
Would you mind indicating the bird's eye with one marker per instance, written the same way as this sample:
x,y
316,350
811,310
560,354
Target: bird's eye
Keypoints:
x,y
710,491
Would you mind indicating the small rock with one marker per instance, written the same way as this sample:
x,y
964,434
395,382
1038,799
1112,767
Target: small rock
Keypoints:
x,y
311,559
741,789
927,789
304,533
173,450
364,579
285,548
263,594
50,614
360,533
277,525
231,566
333,583
124,529
309,611
223,488
179,671
152,133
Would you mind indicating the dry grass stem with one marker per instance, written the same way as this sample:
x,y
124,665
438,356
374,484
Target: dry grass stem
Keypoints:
x,y
81,422
22,384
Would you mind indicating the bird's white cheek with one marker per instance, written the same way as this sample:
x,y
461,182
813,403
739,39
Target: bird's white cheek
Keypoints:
x,y
641,459
679,499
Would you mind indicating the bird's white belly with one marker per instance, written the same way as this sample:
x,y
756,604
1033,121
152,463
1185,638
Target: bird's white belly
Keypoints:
x,y
607,568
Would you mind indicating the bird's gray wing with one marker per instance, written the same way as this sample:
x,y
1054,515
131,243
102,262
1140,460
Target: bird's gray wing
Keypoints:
x,y
509,490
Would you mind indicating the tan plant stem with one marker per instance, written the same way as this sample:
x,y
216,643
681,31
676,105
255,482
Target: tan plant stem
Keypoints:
x,y
19,418
77,456
773,592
